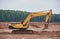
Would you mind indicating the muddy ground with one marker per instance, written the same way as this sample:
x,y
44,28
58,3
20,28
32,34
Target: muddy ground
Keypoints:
x,y
53,31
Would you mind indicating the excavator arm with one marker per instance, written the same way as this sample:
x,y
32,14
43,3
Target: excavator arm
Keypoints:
x,y
48,15
47,19
35,14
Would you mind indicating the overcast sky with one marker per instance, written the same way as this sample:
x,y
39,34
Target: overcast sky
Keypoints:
x,y
31,5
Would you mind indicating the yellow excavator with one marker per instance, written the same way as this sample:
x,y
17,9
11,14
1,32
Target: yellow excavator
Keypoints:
x,y
23,25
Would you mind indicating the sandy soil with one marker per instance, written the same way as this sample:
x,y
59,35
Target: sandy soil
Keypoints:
x,y
53,31
24,36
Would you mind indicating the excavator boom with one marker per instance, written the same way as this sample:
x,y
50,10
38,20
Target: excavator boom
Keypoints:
x,y
35,14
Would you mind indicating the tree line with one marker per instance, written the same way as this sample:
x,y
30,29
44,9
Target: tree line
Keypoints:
x,y
16,16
